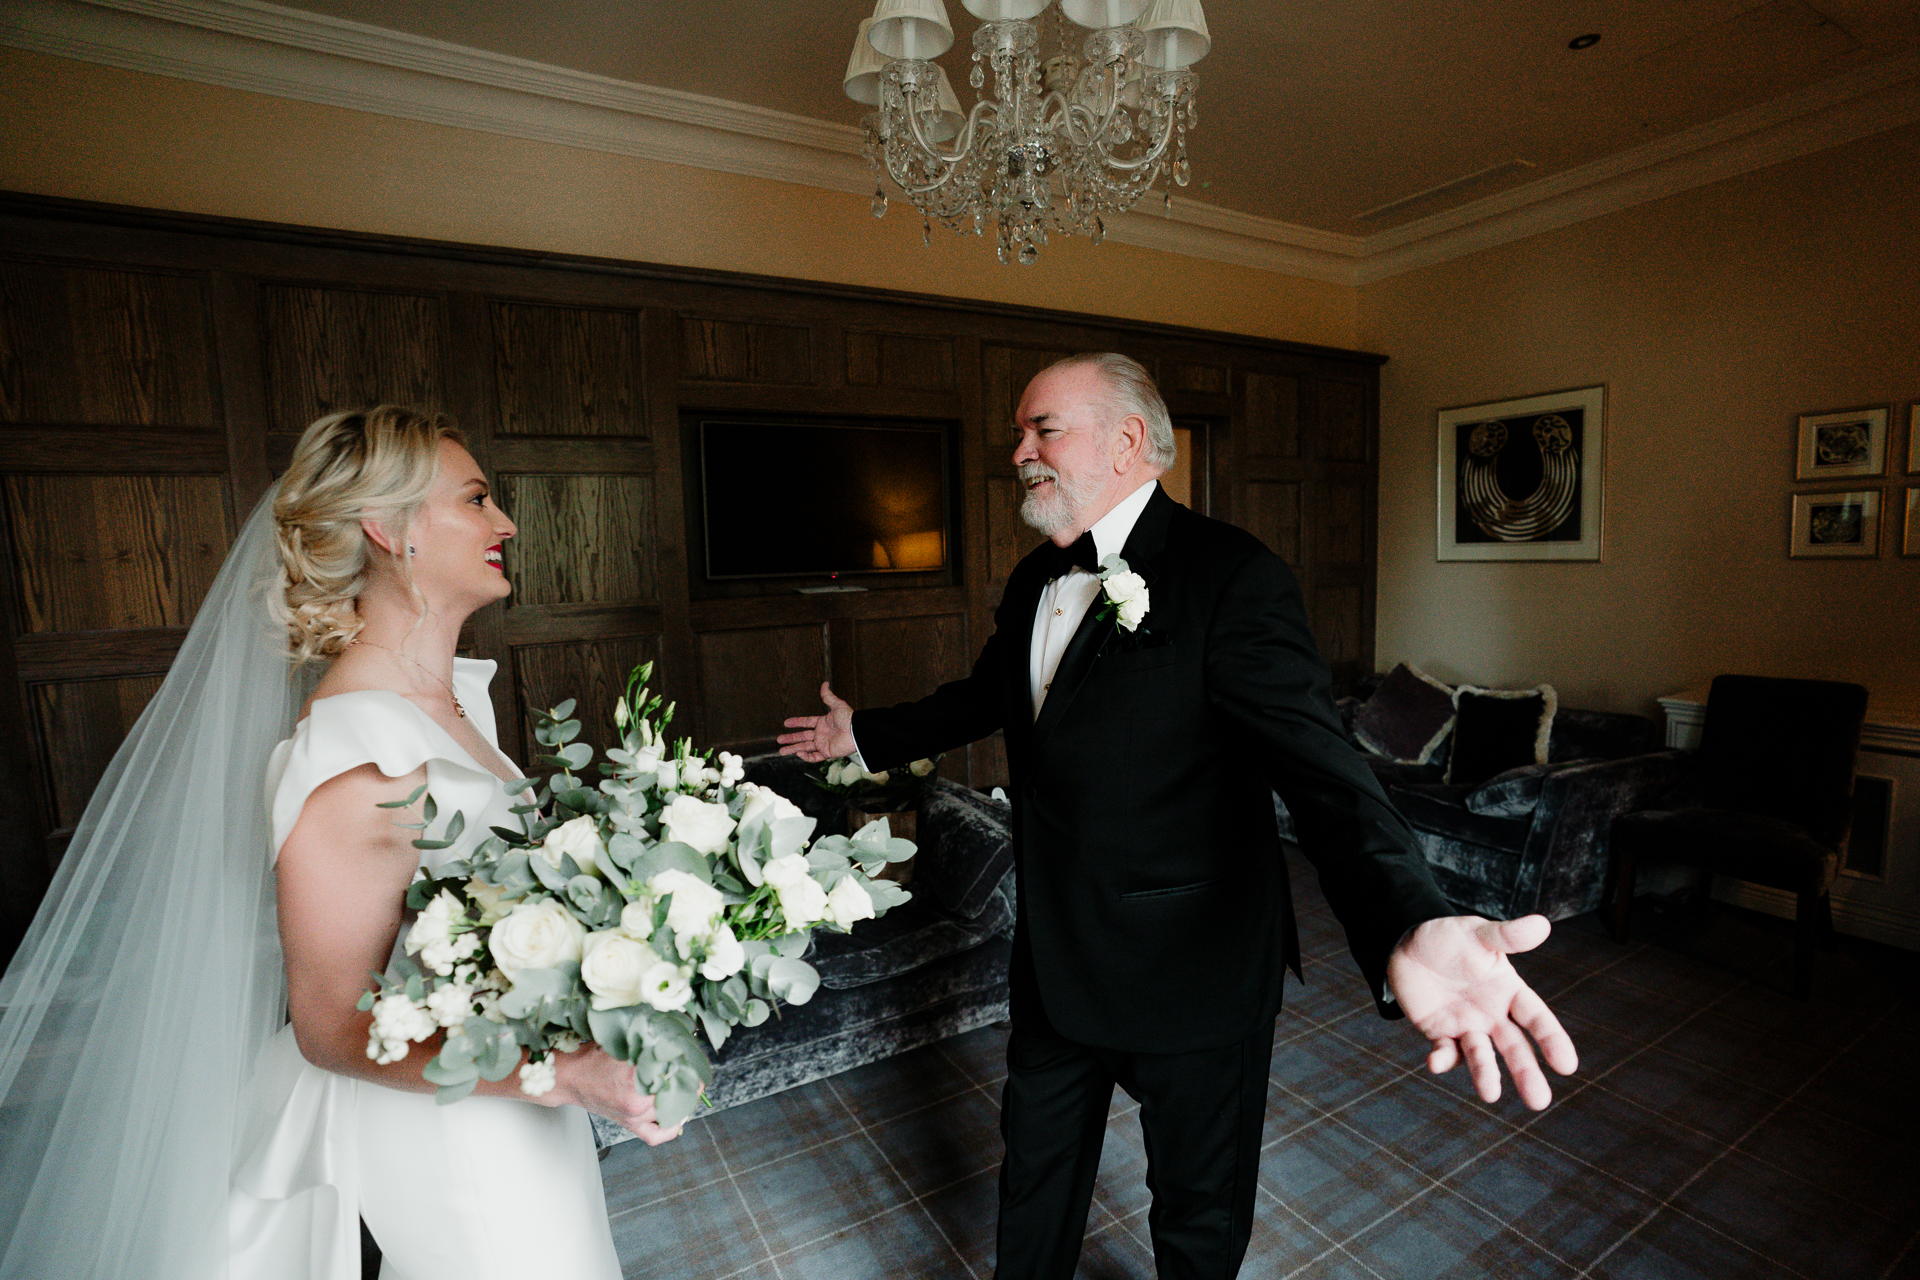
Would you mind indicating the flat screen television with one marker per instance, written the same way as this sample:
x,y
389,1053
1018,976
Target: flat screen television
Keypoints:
x,y
809,499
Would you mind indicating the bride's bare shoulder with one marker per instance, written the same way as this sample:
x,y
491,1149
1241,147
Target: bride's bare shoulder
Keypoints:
x,y
352,672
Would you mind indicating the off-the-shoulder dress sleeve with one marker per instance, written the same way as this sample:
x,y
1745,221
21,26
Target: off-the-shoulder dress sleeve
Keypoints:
x,y
377,727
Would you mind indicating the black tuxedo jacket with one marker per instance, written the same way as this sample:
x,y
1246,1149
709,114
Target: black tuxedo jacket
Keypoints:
x,y
1153,900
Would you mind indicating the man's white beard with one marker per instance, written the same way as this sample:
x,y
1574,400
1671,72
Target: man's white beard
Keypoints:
x,y
1059,510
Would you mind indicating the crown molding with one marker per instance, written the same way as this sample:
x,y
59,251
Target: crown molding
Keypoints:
x,y
264,48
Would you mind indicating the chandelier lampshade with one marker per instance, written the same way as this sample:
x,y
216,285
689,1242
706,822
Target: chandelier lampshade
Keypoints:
x,y
1090,105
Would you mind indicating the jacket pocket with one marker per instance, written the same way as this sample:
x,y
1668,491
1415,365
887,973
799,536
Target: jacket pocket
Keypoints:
x,y
1175,891
1135,660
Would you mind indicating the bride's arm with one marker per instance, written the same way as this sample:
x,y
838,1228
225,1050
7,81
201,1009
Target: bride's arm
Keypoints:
x,y
343,876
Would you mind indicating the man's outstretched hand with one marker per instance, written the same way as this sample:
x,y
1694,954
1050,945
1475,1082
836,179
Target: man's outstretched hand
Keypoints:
x,y
818,738
1453,980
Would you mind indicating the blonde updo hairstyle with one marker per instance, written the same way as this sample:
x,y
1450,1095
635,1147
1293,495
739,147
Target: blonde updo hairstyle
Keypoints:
x,y
374,463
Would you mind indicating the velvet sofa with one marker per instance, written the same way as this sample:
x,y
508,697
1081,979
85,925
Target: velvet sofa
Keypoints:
x,y
1534,838
931,968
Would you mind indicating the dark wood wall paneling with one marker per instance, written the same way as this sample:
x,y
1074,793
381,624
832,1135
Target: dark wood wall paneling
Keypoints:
x,y
155,371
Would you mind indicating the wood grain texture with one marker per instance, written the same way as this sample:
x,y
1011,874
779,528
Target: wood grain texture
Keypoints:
x,y
94,553
83,724
1273,516
96,347
751,680
1272,416
583,539
1009,538
1007,371
1342,536
592,672
115,450
1336,619
57,656
1342,427
328,350
713,350
901,361
905,659
1185,375
568,371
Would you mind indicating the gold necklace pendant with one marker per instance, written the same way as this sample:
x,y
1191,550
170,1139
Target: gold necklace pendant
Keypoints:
x,y
445,684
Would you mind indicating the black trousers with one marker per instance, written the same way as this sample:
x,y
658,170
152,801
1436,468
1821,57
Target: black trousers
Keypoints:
x,y
1200,1113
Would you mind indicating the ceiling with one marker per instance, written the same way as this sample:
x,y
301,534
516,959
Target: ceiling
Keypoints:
x,y
1315,113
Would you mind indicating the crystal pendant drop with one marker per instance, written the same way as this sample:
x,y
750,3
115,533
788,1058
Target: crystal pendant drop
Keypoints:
x,y
926,232
1182,171
1099,231
977,76
879,203
1029,254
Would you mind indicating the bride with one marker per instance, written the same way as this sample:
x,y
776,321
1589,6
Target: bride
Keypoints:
x,y
170,1103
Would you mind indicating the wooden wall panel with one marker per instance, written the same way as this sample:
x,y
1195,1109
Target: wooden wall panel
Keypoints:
x,y
1273,516
1009,538
714,350
753,679
1342,536
1182,375
1336,618
584,539
592,672
903,659
568,371
332,349
1343,429
84,346
1272,416
83,724
99,552
1007,371
899,361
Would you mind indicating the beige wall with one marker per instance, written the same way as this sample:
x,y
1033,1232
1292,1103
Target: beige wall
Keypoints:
x,y
1714,318
88,132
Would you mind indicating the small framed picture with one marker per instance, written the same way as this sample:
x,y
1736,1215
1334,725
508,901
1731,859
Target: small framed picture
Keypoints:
x,y
1836,524
1910,545
1841,445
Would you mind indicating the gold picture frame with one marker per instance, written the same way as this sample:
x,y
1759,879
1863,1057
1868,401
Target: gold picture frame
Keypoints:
x,y
1840,525
1846,444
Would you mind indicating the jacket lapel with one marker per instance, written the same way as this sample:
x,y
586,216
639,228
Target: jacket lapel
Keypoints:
x,y
1148,537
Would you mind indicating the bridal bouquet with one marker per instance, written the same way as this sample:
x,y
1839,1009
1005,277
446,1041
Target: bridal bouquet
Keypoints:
x,y
671,897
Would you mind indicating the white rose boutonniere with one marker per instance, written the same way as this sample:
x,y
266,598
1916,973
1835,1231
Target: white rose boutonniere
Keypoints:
x,y
1126,593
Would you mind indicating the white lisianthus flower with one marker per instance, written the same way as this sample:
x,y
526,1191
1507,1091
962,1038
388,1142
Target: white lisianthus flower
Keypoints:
x,y
732,769
765,802
848,902
920,768
1128,591
450,1005
667,774
725,955
696,823
397,1021
694,905
645,761
536,935
665,986
579,838
611,964
636,918
537,1078
802,901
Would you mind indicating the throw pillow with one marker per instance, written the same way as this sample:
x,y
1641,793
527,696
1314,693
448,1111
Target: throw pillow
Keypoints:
x,y
1495,730
1407,717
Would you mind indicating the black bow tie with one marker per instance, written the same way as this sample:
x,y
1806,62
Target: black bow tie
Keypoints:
x,y
1057,561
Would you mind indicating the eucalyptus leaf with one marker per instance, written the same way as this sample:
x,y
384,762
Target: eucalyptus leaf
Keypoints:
x,y
757,1011
448,1075
615,1031
447,1095
671,855
886,895
675,1104
792,945
402,804
716,1027
576,754
794,981
564,710
548,875
497,1055
788,834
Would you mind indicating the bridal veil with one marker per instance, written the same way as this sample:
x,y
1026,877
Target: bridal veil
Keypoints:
x,y
151,976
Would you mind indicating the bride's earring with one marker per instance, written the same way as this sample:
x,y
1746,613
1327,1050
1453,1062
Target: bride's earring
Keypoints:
x,y
410,549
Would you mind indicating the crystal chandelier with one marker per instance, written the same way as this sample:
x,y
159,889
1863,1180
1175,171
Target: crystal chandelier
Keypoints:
x,y
1063,142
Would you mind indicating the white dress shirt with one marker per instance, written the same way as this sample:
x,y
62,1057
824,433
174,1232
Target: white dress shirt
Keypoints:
x,y
1064,601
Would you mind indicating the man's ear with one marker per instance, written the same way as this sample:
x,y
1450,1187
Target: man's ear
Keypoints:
x,y
378,534
1130,440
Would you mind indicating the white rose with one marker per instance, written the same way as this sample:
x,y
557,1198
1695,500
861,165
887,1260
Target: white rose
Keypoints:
x,y
881,777
665,986
920,768
725,955
537,1078
849,902
703,826
765,802
611,964
536,935
694,904
579,838
802,901
732,769
636,918
1128,591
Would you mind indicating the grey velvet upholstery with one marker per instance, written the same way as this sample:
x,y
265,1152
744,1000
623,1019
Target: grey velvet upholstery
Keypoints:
x,y
1550,857
931,968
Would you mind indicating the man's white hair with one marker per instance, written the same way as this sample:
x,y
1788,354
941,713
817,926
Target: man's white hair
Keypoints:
x,y
1131,389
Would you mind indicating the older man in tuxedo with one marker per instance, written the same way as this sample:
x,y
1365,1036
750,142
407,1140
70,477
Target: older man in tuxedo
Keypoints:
x,y
1155,921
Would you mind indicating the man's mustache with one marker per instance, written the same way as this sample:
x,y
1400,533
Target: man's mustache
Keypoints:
x,y
1032,471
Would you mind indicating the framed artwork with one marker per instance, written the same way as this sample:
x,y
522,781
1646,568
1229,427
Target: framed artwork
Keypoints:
x,y
1913,438
1836,524
1910,546
1521,479
1842,445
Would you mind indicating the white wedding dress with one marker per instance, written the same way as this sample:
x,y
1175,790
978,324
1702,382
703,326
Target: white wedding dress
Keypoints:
x,y
483,1189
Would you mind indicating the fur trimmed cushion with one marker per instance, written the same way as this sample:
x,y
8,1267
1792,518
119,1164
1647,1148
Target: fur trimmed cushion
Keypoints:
x,y
1407,717
1495,730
